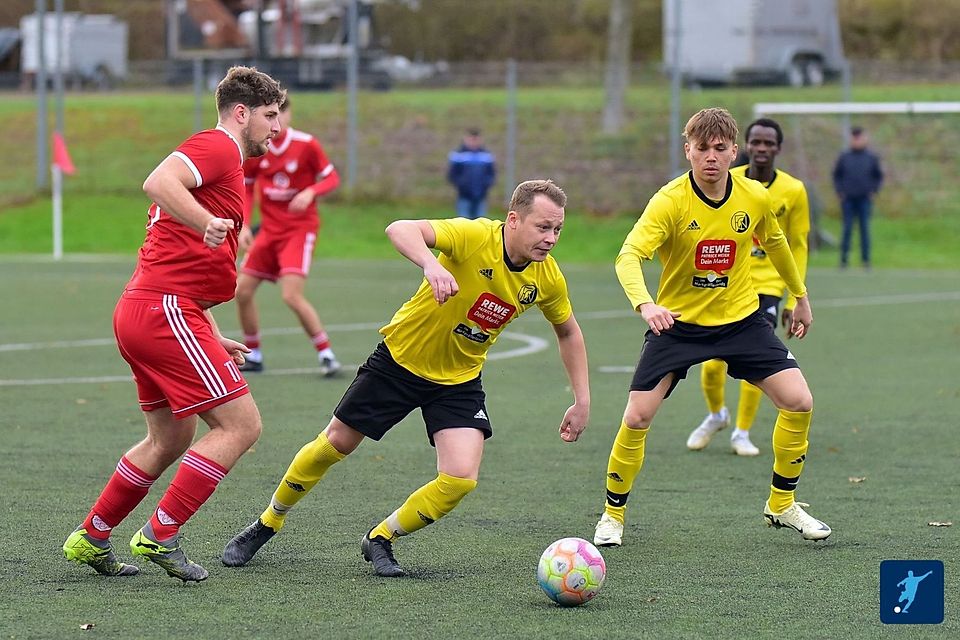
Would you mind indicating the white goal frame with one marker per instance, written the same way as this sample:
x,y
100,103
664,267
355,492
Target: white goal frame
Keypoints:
x,y
841,108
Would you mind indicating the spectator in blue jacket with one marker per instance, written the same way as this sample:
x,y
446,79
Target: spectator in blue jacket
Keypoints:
x,y
472,172
857,178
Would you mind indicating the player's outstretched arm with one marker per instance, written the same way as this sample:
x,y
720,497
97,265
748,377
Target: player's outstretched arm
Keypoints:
x,y
573,354
414,239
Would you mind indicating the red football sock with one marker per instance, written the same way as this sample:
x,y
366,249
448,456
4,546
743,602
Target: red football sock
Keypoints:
x,y
252,340
195,481
321,341
126,488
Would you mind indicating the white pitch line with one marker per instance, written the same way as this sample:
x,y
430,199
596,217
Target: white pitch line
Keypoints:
x,y
108,342
531,344
831,303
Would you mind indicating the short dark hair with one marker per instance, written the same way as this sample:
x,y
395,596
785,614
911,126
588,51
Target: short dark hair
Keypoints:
x,y
249,87
764,122
473,131
856,131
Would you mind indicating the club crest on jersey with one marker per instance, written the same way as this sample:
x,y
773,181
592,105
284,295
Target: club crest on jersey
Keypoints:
x,y
292,166
281,180
740,221
527,294
490,312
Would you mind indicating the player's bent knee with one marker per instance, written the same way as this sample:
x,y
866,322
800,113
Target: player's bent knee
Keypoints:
x,y
798,403
636,418
343,437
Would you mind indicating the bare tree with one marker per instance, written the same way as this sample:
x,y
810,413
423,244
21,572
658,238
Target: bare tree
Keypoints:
x,y
618,65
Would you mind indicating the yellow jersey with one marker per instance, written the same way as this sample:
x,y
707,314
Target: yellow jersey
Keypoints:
x,y
448,343
705,248
792,210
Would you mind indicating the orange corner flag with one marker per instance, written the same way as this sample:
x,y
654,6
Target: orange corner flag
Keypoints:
x,y
61,157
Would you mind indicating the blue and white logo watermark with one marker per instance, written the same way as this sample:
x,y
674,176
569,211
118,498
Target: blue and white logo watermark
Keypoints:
x,y
911,591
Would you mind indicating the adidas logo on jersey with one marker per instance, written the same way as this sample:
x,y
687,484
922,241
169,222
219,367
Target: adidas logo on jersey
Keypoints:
x,y
487,273
693,226
481,415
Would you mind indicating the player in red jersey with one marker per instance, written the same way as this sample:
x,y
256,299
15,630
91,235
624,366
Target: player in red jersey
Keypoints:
x,y
182,365
287,180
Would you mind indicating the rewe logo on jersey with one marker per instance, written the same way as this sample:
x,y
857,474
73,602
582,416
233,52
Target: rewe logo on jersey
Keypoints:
x,y
490,312
715,255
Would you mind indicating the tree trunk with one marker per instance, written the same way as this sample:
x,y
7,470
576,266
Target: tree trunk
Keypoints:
x,y
618,65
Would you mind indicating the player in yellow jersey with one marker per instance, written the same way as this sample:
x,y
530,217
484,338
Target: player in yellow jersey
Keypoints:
x,y
702,226
487,274
764,139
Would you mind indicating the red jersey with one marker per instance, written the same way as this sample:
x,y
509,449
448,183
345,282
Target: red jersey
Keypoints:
x,y
292,163
173,258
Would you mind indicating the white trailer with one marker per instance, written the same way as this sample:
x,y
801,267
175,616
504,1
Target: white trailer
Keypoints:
x,y
753,41
94,47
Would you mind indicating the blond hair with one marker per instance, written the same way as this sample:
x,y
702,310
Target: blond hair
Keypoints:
x,y
526,192
707,124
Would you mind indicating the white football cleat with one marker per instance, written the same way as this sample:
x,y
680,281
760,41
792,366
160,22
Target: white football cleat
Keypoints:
x,y
609,532
797,519
741,445
700,437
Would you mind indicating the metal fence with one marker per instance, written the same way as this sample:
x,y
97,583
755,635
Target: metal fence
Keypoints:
x,y
549,126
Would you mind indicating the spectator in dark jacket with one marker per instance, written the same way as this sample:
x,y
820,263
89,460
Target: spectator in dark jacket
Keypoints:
x,y
472,172
857,178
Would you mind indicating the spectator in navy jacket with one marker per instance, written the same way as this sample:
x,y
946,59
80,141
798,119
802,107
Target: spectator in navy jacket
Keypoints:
x,y
472,172
857,178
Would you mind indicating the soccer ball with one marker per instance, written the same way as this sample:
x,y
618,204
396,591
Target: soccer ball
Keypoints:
x,y
571,571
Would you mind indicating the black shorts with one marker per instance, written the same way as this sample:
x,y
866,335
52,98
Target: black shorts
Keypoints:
x,y
383,393
770,307
751,350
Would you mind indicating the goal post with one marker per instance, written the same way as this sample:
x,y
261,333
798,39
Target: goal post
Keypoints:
x,y
850,108
917,143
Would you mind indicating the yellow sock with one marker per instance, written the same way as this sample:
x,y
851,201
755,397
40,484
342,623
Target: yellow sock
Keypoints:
x,y
626,458
308,466
425,506
713,376
789,451
748,405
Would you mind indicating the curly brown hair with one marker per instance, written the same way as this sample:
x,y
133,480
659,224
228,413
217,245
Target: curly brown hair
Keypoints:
x,y
249,87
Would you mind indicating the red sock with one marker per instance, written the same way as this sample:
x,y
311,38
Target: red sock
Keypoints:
x,y
321,341
195,481
252,340
124,491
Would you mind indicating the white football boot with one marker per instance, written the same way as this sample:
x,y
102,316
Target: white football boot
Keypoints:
x,y
797,519
700,437
609,532
741,445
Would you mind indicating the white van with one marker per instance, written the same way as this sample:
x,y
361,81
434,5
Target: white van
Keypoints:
x,y
753,41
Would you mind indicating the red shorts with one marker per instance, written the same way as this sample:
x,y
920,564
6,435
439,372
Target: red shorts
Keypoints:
x,y
175,358
272,256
